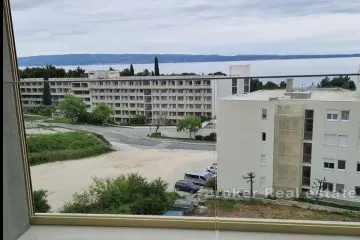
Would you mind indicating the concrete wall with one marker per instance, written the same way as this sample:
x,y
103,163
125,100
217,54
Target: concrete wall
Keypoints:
x,y
171,132
239,143
15,208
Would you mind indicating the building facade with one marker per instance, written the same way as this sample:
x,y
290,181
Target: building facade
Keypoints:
x,y
170,96
290,140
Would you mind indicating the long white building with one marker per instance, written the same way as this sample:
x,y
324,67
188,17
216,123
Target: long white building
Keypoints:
x,y
289,140
173,96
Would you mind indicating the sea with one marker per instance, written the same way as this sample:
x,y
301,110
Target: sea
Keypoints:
x,y
257,68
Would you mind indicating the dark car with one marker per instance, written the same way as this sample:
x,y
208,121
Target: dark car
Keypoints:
x,y
186,186
183,205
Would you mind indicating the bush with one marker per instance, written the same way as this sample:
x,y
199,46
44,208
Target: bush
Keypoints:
x,y
199,137
158,134
212,183
212,136
130,194
138,120
40,201
330,204
271,197
207,138
45,148
205,118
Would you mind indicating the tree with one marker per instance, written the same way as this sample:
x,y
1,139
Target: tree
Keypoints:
x,y
132,72
217,73
72,106
190,123
40,201
319,184
212,183
250,178
341,82
125,72
256,85
159,120
111,69
130,194
103,113
270,85
282,85
46,93
156,68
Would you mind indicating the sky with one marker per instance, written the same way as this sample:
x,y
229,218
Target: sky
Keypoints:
x,y
225,27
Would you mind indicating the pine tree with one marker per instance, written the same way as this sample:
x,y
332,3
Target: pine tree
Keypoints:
x,y
157,72
132,70
46,93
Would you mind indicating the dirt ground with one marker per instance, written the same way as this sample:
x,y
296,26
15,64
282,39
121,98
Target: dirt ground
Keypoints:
x,y
63,179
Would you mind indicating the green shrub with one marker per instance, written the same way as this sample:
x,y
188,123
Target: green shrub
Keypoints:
x,y
130,194
45,148
207,138
212,183
40,201
138,120
212,136
199,137
158,134
330,204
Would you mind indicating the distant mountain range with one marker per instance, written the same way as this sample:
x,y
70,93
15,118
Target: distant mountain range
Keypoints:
x,y
92,59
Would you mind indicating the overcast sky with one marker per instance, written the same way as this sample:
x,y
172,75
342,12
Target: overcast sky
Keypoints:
x,y
226,27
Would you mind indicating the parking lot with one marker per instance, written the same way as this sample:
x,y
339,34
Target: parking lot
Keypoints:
x,y
63,179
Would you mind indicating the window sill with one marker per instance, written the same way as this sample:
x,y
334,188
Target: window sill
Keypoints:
x,y
110,233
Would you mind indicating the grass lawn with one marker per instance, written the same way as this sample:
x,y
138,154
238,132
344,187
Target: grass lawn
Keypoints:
x,y
61,120
256,209
28,118
44,148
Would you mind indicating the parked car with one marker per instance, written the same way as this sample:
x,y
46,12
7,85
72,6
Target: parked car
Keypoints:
x,y
173,213
183,205
212,169
198,178
186,186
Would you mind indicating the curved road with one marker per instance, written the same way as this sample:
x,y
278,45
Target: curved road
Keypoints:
x,y
136,137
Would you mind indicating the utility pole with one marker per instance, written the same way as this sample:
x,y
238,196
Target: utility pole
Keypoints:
x,y
250,178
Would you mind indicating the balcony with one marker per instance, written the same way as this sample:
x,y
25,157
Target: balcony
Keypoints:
x,y
306,181
308,135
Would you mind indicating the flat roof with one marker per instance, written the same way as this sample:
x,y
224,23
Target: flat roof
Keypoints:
x,y
325,94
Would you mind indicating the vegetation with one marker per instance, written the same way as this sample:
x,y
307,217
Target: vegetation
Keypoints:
x,y
50,71
132,72
130,194
330,204
72,106
212,183
46,93
341,81
211,137
102,113
40,201
190,123
256,84
44,148
217,73
156,67
28,118
45,111
138,120
257,209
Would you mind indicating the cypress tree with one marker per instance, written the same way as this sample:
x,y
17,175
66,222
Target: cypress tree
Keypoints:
x,y
132,72
157,72
46,93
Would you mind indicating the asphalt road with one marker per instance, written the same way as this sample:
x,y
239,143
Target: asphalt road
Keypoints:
x,y
136,137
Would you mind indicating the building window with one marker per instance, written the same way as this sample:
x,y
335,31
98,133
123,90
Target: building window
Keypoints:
x,y
330,139
343,140
358,167
332,115
264,113
262,181
345,115
263,135
341,164
357,190
329,163
340,187
327,186
263,160
234,90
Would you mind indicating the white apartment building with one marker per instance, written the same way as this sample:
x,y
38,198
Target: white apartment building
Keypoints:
x,y
289,139
172,96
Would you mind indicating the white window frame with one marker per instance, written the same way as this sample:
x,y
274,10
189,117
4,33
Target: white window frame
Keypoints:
x,y
341,116
347,141
338,165
329,160
327,144
263,160
336,187
332,112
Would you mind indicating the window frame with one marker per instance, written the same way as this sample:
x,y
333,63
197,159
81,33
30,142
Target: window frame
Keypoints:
x,y
198,223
